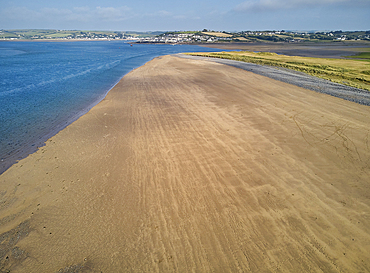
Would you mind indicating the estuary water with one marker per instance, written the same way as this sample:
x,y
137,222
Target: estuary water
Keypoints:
x,y
44,86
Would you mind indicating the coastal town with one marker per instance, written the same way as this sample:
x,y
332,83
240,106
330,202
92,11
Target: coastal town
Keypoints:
x,y
253,36
182,37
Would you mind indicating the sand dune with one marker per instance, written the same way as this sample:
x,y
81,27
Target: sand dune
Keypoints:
x,y
191,166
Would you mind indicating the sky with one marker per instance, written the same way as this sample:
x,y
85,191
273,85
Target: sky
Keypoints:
x,y
171,15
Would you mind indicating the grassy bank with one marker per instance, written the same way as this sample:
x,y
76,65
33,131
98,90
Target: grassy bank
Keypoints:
x,y
355,73
362,55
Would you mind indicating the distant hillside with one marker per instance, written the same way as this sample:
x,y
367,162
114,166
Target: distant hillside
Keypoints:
x,y
208,36
72,34
186,36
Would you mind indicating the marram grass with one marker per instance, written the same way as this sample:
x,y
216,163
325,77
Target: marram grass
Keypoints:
x,y
355,73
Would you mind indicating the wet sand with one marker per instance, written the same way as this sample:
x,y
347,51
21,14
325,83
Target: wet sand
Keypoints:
x,y
188,166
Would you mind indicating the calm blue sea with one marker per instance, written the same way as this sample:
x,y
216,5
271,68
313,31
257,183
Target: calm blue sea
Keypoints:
x,y
44,86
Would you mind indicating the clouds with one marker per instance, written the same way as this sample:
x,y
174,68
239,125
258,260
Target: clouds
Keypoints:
x,y
302,14
113,14
185,15
272,5
69,16
85,17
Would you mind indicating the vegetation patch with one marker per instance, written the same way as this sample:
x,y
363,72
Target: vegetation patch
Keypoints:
x,y
352,72
362,55
217,34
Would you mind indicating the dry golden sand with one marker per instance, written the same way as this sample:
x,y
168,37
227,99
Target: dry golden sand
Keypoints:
x,y
195,166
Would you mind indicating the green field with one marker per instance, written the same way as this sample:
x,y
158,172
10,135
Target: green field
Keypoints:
x,y
362,55
351,72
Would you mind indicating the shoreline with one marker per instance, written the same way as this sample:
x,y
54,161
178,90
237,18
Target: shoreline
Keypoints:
x,y
12,153
63,40
313,83
192,165
36,144
297,78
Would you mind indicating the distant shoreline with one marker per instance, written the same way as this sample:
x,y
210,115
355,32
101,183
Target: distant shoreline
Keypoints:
x,y
61,40
232,44
333,49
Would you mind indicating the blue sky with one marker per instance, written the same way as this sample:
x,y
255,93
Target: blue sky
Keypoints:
x,y
146,15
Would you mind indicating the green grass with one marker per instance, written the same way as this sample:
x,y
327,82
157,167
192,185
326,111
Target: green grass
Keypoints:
x,y
362,55
355,73
8,35
59,35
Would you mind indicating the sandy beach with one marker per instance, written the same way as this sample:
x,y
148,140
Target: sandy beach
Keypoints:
x,y
193,166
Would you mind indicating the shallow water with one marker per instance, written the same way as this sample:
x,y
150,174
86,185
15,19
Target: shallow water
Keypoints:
x,y
44,86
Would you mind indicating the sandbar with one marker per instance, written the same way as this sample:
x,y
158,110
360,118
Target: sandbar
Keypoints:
x,y
195,166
